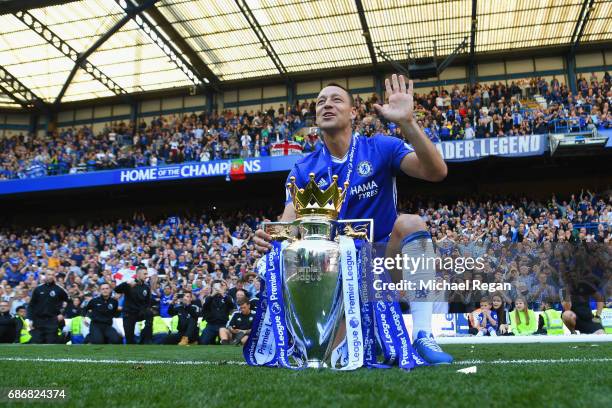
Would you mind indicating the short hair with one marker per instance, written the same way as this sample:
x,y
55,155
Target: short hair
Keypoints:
x,y
20,308
485,299
243,301
350,95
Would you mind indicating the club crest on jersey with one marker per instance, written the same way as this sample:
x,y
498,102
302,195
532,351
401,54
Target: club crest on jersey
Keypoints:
x,y
364,168
110,306
52,293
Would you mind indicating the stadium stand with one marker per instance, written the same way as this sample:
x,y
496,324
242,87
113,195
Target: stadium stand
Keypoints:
x,y
482,111
189,253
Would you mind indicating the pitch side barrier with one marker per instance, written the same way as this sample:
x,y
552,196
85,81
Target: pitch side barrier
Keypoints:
x,y
450,328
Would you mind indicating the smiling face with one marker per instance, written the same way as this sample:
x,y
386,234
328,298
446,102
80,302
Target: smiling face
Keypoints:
x,y
334,109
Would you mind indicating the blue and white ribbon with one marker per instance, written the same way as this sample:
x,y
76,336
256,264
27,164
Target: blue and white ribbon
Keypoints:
x,y
351,350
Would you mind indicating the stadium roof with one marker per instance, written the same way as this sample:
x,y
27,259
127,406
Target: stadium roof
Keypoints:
x,y
174,43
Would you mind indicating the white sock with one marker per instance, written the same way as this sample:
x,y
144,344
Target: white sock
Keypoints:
x,y
419,245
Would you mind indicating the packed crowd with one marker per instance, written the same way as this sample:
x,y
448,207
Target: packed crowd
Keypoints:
x,y
482,111
520,239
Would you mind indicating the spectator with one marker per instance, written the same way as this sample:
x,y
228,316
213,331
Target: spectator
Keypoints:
x,y
522,320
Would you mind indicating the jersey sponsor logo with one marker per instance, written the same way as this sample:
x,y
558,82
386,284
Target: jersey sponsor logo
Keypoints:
x,y
365,190
322,183
364,168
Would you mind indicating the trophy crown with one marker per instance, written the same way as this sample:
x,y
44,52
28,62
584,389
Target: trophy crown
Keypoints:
x,y
311,200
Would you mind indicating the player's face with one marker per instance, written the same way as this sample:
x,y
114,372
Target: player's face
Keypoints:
x,y
333,109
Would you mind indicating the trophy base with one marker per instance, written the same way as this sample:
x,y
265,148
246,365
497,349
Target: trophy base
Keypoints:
x,y
317,364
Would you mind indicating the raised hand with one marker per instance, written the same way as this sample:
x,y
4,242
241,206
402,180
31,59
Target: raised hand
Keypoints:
x,y
400,106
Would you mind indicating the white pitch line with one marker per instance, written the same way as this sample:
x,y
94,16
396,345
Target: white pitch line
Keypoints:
x,y
109,361
242,363
536,361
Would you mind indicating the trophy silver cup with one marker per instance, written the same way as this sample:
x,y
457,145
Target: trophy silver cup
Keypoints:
x,y
312,286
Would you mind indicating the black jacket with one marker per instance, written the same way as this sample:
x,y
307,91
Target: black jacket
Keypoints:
x,y
137,298
8,325
47,301
184,312
217,308
102,310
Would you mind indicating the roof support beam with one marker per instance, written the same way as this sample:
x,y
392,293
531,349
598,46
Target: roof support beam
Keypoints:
x,y
366,31
17,91
160,38
473,28
84,55
53,39
583,19
263,39
199,65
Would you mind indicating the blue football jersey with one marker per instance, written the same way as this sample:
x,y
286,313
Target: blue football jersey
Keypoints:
x,y
372,191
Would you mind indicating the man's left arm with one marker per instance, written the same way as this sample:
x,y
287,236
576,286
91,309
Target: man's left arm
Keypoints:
x,y
426,163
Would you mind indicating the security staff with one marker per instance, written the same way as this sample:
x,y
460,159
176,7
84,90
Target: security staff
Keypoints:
x,y
7,324
45,310
23,328
216,310
186,314
137,307
550,321
101,311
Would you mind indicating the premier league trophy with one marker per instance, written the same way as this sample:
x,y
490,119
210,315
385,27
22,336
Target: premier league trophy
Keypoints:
x,y
312,292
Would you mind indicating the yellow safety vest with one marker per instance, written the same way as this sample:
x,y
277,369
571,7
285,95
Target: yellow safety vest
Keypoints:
x,y
24,335
552,322
159,326
523,328
75,325
606,320
174,324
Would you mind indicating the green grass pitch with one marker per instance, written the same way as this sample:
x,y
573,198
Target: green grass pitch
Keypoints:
x,y
551,375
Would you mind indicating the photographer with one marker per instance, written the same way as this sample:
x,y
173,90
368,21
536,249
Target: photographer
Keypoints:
x,y
184,321
101,311
137,306
216,310
239,326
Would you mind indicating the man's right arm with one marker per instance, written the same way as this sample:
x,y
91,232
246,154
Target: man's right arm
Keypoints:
x,y
122,288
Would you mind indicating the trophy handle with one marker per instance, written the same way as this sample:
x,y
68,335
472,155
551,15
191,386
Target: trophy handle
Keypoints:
x,y
365,229
281,231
